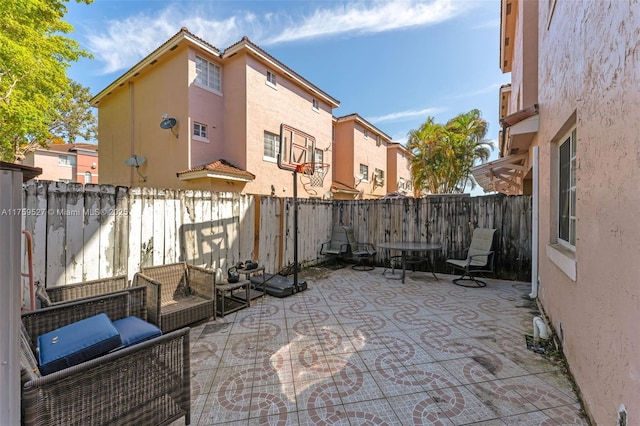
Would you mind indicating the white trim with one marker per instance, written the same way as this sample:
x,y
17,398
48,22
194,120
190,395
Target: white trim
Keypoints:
x,y
209,174
207,88
200,139
269,159
564,259
270,84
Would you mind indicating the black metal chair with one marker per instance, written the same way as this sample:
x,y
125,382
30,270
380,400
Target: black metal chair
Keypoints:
x,y
363,253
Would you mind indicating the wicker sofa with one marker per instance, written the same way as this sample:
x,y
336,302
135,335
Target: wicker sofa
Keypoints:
x,y
178,294
146,383
54,296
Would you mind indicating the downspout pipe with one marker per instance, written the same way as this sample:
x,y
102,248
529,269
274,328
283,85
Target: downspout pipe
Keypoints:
x,y
535,225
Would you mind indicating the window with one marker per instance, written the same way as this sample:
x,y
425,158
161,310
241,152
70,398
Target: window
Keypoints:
x,y
318,156
66,160
271,146
378,140
271,79
200,130
567,190
366,134
87,177
208,74
315,104
364,171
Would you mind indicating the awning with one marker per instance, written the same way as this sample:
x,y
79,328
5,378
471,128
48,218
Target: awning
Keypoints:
x,y
518,130
505,175
220,169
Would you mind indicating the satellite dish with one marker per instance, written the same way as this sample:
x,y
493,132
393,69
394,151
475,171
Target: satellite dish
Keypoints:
x,y
359,176
135,161
168,123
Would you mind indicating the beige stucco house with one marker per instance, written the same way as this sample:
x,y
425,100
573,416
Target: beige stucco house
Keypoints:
x,y
360,158
77,162
220,111
571,137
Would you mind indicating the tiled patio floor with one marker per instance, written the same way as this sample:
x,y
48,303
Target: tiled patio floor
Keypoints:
x,y
357,348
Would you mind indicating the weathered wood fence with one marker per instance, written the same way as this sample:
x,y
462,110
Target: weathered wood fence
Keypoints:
x,y
92,231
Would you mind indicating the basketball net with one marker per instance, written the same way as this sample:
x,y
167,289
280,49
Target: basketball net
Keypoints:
x,y
315,172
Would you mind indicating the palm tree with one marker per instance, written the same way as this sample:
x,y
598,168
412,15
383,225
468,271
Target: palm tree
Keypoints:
x,y
444,154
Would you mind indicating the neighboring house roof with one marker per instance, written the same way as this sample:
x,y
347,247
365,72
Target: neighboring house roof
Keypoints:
x,y
71,147
220,169
244,43
400,147
341,187
364,123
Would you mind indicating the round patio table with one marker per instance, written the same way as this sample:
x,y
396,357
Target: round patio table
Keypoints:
x,y
405,247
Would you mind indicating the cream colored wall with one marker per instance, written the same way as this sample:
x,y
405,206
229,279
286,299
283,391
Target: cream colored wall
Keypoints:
x,y
266,109
343,153
589,67
160,89
235,110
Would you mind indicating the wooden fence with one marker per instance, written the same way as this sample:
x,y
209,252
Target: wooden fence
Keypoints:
x,y
92,231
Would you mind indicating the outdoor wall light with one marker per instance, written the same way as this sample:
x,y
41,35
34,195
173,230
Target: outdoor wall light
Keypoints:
x,y
169,123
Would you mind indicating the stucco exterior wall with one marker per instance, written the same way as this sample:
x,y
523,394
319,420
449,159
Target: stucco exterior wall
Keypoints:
x,y
205,107
51,170
343,153
589,75
267,107
367,152
133,112
398,167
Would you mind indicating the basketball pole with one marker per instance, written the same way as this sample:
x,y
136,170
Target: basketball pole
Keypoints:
x,y
295,229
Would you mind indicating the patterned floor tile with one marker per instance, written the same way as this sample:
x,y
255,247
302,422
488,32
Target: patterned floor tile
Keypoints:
x,y
419,409
461,406
359,349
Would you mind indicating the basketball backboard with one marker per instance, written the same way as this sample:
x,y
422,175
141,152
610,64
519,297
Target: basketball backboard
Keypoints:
x,y
296,148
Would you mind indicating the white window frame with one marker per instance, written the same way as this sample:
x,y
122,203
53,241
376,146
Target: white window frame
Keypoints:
x,y
314,105
198,129
271,80
208,75
271,138
366,133
87,176
364,171
69,160
567,190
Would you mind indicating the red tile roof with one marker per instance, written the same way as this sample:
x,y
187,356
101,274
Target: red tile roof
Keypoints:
x,y
222,167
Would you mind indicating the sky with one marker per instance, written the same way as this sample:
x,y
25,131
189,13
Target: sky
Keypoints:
x,y
393,62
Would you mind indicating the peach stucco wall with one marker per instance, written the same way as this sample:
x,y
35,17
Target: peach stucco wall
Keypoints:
x,y
398,166
343,154
589,75
266,108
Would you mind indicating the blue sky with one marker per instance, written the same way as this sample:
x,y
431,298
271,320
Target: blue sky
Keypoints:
x,y
393,62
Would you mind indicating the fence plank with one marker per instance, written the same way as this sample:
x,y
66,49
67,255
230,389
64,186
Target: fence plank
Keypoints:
x,y
56,233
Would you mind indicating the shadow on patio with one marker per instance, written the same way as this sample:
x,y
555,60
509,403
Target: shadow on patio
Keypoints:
x,y
357,348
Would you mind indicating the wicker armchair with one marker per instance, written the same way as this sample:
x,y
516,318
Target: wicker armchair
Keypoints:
x,y
178,294
146,383
53,296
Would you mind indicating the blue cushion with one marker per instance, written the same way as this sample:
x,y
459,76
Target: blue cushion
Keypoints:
x,y
134,330
77,342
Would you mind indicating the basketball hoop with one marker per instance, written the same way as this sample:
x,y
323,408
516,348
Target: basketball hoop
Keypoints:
x,y
314,171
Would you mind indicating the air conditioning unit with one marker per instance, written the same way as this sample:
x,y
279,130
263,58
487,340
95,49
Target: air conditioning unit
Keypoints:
x,y
378,177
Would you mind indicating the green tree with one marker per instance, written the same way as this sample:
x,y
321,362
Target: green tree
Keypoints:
x,y
34,87
444,154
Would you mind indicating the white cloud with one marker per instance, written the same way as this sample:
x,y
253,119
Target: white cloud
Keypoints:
x,y
406,115
128,40
369,17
